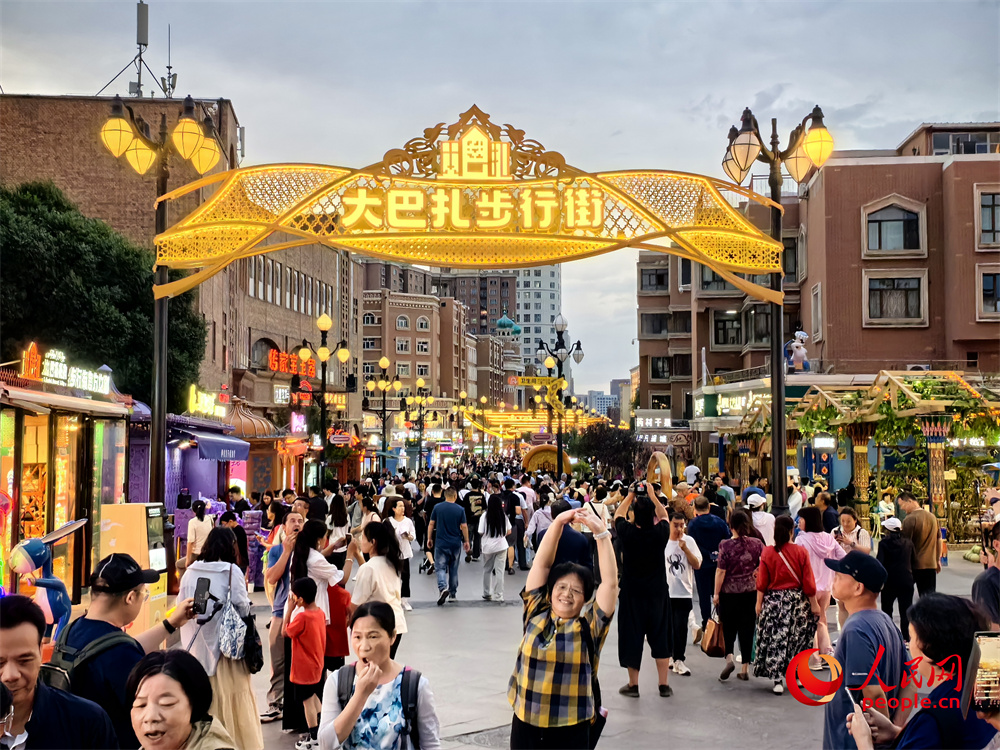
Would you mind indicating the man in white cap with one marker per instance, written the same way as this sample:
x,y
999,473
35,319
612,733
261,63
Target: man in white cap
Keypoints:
x,y
898,557
762,520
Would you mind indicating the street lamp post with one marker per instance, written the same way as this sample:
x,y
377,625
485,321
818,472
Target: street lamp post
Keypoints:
x,y
383,384
423,399
806,148
555,359
458,411
129,137
324,323
482,424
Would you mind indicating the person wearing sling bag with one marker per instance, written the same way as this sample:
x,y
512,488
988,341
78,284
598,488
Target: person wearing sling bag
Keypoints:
x,y
787,609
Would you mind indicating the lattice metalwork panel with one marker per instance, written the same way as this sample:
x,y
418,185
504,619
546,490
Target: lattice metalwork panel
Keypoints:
x,y
477,252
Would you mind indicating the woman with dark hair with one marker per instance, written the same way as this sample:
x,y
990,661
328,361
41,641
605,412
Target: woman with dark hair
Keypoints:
x,y
308,562
197,531
405,534
379,579
821,546
942,631
367,712
494,528
233,702
787,610
736,591
339,525
565,625
171,697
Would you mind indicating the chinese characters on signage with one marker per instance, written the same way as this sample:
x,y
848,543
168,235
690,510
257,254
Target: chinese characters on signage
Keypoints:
x,y
53,369
282,394
290,364
676,438
200,402
297,424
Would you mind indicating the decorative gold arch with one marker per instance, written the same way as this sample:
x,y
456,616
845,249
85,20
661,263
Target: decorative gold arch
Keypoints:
x,y
469,195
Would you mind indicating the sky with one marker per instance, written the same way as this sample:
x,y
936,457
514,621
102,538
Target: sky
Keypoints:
x,y
610,85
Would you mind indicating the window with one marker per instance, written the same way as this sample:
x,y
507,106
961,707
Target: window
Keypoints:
x,y
368,368
654,324
552,285
295,291
369,319
893,229
369,343
538,272
685,273
711,281
260,277
757,326
654,280
803,258
895,297
989,219
896,226
288,288
659,400
403,369
681,365
538,318
277,283
423,346
423,371
789,258
727,329
988,304
402,346
817,312
402,323
659,368
423,324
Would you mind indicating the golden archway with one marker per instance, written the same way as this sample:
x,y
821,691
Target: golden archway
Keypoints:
x,y
469,195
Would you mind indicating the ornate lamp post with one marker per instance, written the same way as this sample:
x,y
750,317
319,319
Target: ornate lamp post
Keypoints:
x,y
554,360
129,137
423,399
324,323
458,412
806,148
382,384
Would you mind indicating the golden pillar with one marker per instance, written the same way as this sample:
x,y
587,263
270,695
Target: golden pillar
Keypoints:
x,y
792,447
860,433
935,429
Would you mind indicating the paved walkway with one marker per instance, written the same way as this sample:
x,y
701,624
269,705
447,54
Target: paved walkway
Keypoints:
x,y
467,649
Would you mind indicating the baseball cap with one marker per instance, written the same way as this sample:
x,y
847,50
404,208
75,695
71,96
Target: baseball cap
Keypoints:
x,y
120,573
862,567
893,524
755,500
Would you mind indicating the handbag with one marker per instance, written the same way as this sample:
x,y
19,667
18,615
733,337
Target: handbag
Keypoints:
x,y
713,642
253,649
232,628
600,719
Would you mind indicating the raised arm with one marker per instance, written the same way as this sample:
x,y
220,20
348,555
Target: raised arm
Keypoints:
x,y
538,575
624,505
607,592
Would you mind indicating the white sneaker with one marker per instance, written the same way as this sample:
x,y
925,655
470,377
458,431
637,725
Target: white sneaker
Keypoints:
x,y
681,668
407,607
778,688
307,744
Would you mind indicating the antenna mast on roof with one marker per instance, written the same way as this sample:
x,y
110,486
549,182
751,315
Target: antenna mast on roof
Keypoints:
x,y
169,82
142,41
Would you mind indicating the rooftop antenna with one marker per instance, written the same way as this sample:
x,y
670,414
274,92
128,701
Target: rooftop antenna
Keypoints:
x,y
142,41
168,83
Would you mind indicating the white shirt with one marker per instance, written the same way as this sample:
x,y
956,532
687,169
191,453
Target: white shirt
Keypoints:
x,y
197,532
325,574
404,527
795,503
206,646
378,581
680,574
10,742
691,473
493,544
412,487
764,523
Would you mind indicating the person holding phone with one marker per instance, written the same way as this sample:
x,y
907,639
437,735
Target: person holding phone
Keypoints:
x,y
986,587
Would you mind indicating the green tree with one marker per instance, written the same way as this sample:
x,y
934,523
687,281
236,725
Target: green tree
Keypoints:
x,y
612,448
73,283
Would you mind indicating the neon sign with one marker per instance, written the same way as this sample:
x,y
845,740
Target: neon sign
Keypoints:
x,y
53,369
200,402
290,364
297,424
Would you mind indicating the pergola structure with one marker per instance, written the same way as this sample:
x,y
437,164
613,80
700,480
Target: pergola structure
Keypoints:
x,y
473,194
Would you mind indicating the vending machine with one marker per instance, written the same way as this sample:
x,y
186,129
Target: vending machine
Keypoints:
x,y
137,529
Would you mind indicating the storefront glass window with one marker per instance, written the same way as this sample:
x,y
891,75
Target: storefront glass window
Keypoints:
x,y
67,450
34,476
6,494
108,475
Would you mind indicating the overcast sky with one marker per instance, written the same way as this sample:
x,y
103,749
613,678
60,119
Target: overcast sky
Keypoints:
x,y
611,85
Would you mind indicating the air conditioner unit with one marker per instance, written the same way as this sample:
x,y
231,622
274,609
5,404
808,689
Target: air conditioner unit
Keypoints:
x,y
918,367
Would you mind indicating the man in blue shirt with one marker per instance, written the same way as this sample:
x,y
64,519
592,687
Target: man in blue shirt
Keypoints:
x,y
448,519
867,632
708,531
44,717
277,575
753,489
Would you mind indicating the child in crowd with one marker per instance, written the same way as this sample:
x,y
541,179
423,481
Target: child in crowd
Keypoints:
x,y
308,633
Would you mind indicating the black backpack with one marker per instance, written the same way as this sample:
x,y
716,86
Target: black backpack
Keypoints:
x,y
58,673
411,683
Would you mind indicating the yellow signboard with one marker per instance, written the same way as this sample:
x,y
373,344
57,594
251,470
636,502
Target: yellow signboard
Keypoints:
x,y
472,194
200,402
537,382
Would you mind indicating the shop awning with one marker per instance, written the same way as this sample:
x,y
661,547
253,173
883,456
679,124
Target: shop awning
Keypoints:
x,y
31,400
217,447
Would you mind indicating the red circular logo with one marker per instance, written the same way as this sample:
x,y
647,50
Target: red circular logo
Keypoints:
x,y
824,691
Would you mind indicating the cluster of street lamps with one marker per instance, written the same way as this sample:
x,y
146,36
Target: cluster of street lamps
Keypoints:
x,y
422,400
383,384
553,360
806,148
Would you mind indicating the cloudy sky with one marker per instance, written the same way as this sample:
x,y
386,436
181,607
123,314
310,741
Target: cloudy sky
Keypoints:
x,y
611,85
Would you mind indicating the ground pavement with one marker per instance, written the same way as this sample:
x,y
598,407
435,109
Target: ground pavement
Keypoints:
x,y
467,649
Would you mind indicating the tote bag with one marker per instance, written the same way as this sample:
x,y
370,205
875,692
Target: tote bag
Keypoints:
x,y
713,642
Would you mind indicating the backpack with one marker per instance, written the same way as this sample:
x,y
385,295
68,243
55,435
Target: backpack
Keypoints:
x,y
411,682
58,673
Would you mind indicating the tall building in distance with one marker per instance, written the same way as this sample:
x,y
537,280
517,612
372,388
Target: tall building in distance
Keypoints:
x,y
891,260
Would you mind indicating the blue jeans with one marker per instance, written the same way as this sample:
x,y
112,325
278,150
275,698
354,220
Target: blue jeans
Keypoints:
x,y
446,564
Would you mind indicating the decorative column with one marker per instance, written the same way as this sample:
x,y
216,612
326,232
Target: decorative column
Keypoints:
x,y
860,433
743,447
792,436
935,429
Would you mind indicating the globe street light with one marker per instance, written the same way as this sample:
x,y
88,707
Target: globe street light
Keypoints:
x,y
806,149
128,137
382,384
554,359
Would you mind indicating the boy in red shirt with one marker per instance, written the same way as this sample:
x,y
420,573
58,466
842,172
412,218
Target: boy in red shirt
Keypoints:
x,y
308,634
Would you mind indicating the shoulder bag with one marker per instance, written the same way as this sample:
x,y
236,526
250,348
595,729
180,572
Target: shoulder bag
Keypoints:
x,y
713,642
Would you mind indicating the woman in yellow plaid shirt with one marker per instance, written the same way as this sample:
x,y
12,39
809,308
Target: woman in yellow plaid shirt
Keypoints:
x,y
551,690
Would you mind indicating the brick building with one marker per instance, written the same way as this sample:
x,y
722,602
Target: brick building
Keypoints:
x,y
892,261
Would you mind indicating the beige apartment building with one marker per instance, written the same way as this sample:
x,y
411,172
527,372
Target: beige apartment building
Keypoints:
x,y
892,261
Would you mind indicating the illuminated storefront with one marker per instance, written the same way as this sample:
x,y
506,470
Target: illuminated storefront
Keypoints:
x,y
63,454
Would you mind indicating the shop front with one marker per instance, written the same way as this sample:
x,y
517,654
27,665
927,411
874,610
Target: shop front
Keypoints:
x,y
63,454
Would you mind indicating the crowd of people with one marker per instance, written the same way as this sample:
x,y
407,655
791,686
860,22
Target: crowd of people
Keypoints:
x,y
338,577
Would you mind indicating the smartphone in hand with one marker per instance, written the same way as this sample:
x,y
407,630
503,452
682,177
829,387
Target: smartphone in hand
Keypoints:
x,y
201,593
